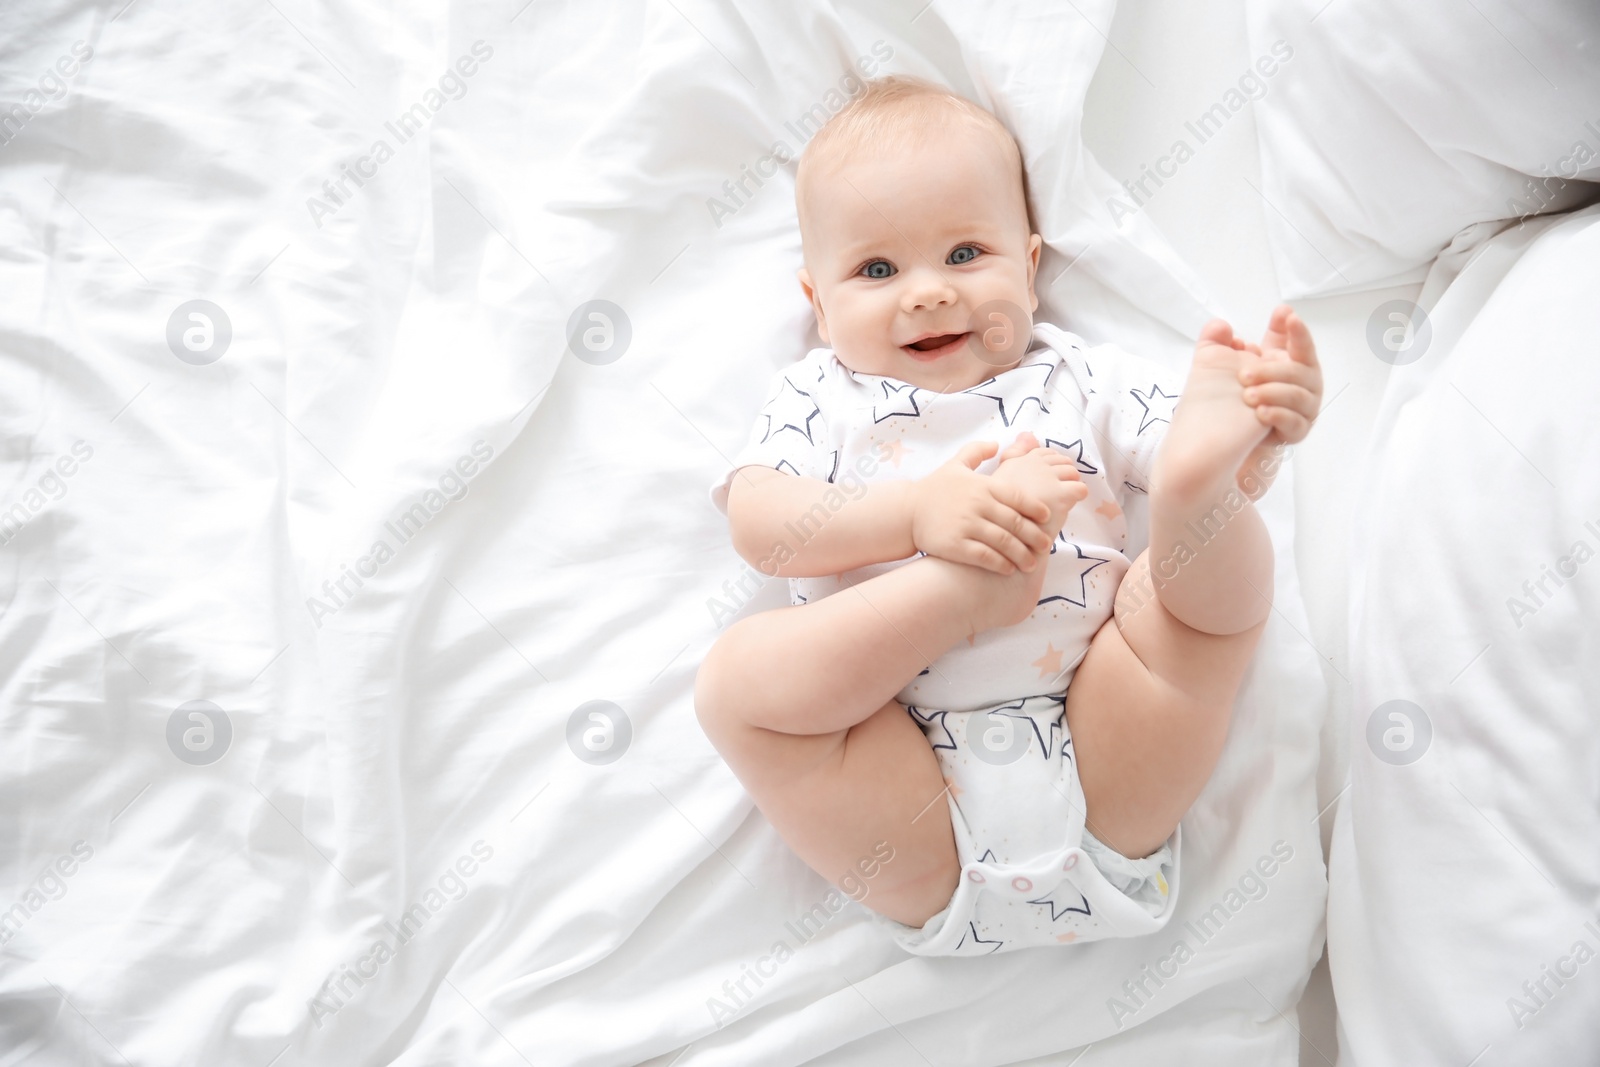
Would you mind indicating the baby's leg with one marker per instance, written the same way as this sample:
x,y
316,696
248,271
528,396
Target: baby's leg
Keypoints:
x,y
800,703
1148,710
1150,704
1210,556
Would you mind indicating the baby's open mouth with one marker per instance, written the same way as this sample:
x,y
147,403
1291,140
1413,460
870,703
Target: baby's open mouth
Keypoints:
x,y
930,347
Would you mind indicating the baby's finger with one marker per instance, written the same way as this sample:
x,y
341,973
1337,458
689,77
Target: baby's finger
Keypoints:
x,y
1020,527
1282,370
1304,403
1301,348
981,555
1023,503
1004,542
1282,395
1301,392
1276,333
975,452
1291,425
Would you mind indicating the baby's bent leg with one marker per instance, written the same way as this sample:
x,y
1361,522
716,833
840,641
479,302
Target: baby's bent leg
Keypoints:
x,y
1148,710
866,803
799,702
1150,704
827,665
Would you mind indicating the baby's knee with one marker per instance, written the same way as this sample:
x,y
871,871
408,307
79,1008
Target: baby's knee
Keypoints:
x,y
1136,590
915,896
713,703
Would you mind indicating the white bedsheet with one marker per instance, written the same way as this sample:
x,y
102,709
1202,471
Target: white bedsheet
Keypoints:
x,y
411,743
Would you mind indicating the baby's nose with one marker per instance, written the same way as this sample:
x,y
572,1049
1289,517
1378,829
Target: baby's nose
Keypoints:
x,y
927,288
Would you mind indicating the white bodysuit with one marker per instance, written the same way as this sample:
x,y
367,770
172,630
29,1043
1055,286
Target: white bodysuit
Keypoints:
x,y
1108,410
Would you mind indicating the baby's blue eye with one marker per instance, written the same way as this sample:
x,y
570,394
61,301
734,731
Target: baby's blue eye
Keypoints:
x,y
878,269
963,254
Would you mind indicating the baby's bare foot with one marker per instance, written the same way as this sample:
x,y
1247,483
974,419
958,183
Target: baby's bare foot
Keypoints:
x,y
1213,429
1045,474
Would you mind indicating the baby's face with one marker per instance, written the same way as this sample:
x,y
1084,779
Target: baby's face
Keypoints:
x,y
920,265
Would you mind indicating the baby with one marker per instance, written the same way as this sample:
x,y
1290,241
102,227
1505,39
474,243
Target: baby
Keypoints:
x,y
945,603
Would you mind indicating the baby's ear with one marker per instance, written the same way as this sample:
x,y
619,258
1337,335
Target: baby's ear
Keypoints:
x,y
810,289
1035,243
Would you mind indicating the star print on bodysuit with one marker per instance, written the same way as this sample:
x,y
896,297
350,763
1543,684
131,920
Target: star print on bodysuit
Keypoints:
x,y
1057,728
1037,377
1158,406
1057,909
791,410
898,399
1084,563
1018,717
972,933
1046,745
939,717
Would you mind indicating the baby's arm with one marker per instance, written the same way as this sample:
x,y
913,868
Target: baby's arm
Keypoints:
x,y
782,524
797,527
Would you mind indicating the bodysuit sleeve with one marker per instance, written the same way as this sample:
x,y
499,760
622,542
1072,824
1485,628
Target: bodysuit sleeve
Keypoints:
x,y
791,431
1128,401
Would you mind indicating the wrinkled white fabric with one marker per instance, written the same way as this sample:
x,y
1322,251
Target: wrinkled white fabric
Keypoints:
x,y
1473,802
389,736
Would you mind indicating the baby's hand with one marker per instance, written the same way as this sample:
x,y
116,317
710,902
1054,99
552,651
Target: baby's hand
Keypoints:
x,y
1284,385
986,521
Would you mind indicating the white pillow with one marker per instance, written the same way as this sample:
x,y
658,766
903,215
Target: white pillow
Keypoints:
x,y
1394,127
1464,868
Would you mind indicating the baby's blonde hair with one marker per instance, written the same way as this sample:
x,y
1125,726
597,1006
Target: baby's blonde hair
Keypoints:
x,y
892,113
